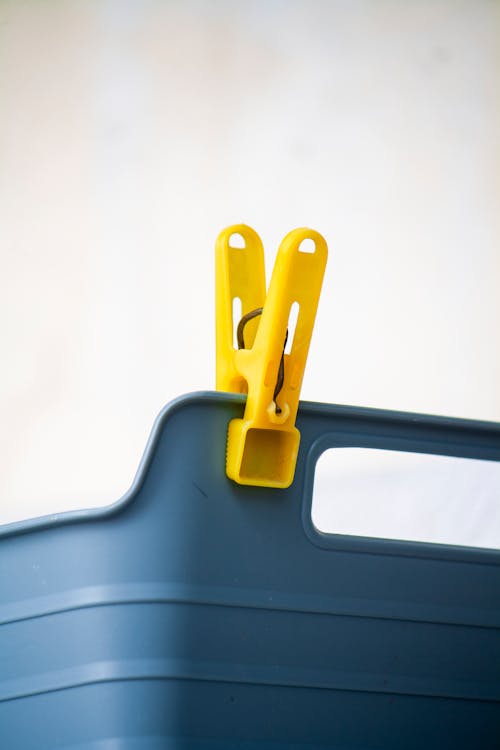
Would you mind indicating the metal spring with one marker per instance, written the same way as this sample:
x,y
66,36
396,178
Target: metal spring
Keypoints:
x,y
241,345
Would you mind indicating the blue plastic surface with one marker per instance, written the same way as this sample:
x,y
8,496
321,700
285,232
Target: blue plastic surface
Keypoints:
x,y
197,613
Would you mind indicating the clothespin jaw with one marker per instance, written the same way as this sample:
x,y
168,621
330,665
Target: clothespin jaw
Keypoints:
x,y
262,447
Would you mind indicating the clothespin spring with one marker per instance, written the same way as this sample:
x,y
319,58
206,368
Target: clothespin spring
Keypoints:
x,y
241,345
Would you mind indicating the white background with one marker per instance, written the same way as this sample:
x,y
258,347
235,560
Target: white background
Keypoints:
x,y
132,132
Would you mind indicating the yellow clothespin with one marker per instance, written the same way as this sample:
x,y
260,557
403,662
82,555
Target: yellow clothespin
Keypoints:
x,y
262,447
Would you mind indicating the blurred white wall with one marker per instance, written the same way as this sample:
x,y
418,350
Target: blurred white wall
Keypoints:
x,y
132,132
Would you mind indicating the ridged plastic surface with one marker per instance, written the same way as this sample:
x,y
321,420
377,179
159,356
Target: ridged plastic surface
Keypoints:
x,y
196,613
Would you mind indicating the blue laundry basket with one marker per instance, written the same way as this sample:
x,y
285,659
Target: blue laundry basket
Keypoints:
x,y
197,613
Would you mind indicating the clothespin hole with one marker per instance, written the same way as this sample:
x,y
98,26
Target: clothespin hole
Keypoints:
x,y
307,246
237,241
237,308
274,416
292,325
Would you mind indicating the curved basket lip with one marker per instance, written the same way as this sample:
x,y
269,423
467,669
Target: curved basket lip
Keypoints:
x,y
101,512
306,408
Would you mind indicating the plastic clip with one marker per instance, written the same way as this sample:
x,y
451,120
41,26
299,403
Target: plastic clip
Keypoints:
x,y
262,447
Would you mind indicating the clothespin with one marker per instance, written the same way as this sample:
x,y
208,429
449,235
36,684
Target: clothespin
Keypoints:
x,y
262,447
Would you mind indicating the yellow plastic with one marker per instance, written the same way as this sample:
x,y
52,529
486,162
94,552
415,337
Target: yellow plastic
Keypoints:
x,y
239,273
262,447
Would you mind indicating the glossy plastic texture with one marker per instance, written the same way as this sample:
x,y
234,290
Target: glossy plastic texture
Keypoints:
x,y
198,613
